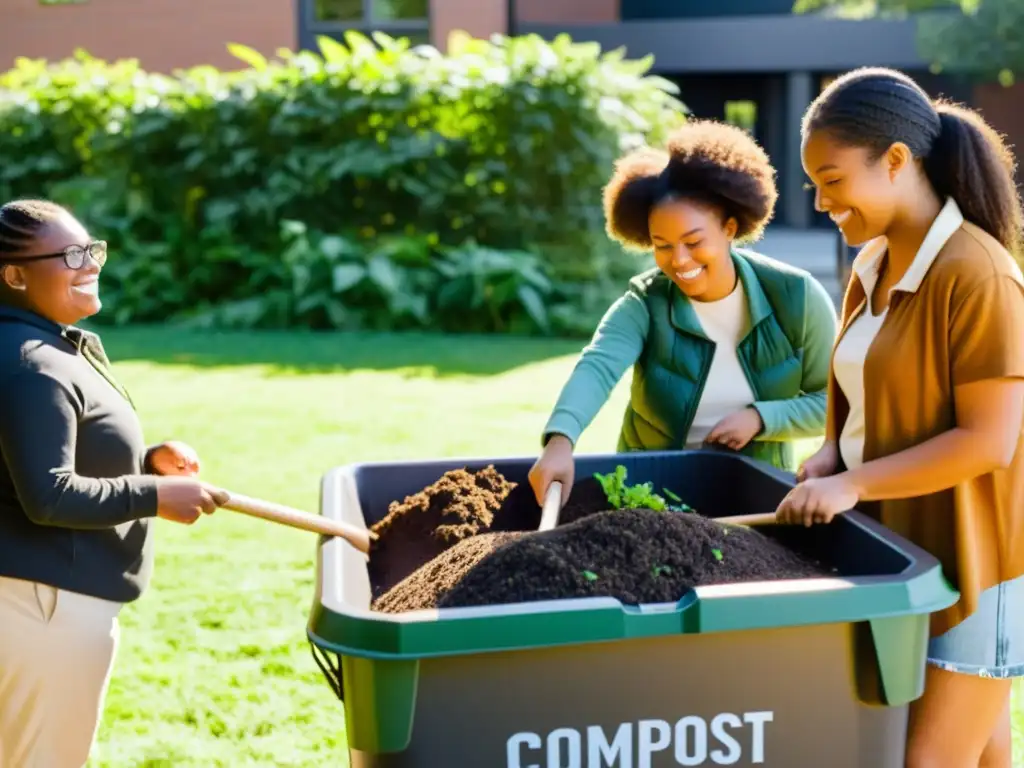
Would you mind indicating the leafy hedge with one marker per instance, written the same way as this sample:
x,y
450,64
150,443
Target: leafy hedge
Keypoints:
x,y
369,186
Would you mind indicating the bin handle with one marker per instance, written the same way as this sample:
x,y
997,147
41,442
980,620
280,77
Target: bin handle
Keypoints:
x,y
552,507
331,671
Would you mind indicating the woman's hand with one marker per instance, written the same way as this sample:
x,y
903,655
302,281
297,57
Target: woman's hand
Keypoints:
x,y
184,499
823,463
817,500
174,458
736,429
555,463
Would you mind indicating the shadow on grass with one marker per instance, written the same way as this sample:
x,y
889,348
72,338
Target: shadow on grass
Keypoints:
x,y
332,352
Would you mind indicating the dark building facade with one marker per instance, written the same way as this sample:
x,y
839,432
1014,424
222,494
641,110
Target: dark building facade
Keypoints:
x,y
754,63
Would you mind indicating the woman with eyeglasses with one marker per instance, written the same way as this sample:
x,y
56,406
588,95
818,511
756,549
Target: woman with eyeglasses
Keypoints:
x,y
78,491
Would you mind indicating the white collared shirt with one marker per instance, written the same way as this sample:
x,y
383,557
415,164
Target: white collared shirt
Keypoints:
x,y
853,347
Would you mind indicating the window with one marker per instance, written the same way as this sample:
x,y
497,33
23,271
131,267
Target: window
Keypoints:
x,y
399,10
338,10
416,37
397,18
742,114
370,12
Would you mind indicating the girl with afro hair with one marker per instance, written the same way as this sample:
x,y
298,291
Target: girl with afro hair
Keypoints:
x,y
728,347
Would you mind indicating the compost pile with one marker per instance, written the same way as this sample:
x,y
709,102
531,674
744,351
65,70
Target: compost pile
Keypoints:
x,y
459,506
476,554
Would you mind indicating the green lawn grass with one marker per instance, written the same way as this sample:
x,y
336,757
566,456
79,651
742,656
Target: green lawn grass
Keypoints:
x,y
214,668
1018,724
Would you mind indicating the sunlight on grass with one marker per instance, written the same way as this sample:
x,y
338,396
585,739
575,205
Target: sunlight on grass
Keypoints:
x,y
214,668
1018,724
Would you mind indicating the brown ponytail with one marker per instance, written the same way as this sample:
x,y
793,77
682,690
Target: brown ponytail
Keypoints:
x,y
970,162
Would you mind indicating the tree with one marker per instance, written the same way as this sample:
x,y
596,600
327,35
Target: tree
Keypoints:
x,y
980,38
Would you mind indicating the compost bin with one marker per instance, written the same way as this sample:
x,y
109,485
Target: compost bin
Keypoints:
x,y
791,674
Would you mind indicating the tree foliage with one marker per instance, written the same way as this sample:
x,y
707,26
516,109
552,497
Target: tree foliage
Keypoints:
x,y
979,38
371,186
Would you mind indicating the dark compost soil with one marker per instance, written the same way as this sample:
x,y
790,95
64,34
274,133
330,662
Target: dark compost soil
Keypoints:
x,y
637,556
587,498
465,534
425,586
461,504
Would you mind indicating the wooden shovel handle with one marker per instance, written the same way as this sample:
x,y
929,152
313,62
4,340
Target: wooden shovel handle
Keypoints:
x,y
761,518
296,518
552,506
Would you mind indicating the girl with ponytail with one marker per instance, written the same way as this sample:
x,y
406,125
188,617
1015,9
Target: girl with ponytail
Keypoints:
x,y
926,393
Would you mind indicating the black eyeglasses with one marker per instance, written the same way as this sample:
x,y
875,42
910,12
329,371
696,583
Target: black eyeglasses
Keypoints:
x,y
73,255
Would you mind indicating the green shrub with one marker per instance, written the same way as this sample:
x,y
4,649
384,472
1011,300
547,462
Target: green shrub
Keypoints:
x,y
257,197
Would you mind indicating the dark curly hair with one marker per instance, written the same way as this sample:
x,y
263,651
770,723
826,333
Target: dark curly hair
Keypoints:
x,y
704,161
21,221
963,157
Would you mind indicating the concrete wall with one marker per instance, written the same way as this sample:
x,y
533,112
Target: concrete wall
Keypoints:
x,y
567,12
484,17
162,34
480,18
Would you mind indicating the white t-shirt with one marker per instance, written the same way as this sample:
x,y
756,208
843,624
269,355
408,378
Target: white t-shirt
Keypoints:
x,y
727,390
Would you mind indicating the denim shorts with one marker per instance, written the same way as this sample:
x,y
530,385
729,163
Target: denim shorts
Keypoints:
x,y
989,642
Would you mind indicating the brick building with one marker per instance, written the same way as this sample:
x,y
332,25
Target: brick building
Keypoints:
x,y
748,61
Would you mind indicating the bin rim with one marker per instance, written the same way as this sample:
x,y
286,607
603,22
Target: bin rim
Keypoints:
x,y
343,629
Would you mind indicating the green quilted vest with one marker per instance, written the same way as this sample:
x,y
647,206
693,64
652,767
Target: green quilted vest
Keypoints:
x,y
669,377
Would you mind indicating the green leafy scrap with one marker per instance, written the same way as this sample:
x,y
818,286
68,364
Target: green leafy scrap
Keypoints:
x,y
613,485
678,505
643,497
623,496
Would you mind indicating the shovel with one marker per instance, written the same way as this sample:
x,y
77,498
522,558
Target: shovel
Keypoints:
x,y
359,538
760,518
552,507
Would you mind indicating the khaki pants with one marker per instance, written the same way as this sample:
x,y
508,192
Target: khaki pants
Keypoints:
x,y
56,652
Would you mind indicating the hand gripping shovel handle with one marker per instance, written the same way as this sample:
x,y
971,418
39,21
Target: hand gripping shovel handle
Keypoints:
x,y
552,507
359,538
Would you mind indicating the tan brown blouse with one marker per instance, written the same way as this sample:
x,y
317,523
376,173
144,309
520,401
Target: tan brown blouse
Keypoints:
x,y
958,319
